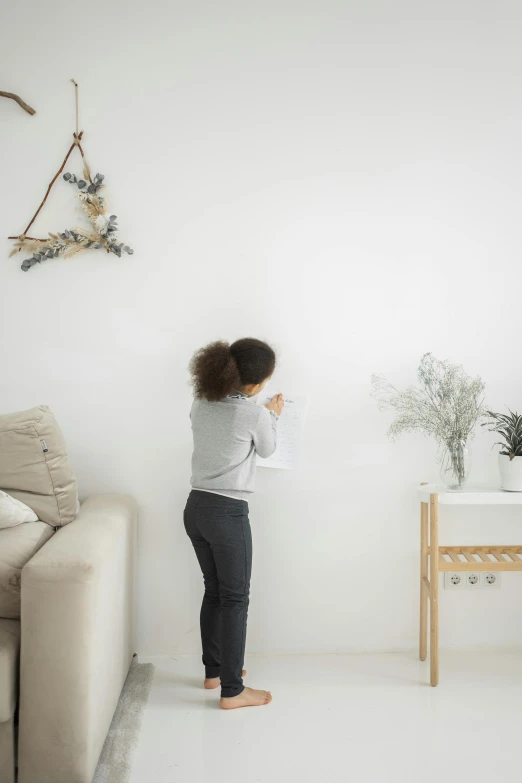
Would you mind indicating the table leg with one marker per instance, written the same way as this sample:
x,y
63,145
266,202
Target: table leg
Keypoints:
x,y
434,589
423,632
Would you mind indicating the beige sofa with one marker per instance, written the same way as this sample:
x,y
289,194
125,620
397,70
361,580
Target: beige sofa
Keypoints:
x,y
64,663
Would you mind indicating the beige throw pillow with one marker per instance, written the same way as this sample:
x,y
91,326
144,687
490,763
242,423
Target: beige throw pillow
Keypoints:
x,y
14,512
34,467
17,546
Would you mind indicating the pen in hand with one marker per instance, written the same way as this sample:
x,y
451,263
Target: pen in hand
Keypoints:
x,y
276,404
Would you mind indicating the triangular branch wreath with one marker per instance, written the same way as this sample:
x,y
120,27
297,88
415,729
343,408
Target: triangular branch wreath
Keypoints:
x,y
101,234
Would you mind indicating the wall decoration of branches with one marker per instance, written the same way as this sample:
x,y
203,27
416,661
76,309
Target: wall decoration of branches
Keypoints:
x,y
101,233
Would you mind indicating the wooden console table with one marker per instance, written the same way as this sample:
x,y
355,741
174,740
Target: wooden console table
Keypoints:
x,y
455,558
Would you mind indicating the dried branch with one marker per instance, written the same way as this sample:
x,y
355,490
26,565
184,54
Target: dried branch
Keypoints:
x,y
19,101
73,145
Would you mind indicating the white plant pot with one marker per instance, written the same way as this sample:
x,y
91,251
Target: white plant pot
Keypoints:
x,y
510,473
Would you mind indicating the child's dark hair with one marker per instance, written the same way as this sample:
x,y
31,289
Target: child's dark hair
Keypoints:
x,y
219,368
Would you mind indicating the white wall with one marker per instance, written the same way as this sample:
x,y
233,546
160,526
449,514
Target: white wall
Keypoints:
x,y
342,179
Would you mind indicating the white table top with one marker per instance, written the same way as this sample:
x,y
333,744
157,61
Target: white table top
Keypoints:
x,y
471,496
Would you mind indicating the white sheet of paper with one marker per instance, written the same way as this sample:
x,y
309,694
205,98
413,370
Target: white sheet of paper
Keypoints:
x,y
289,430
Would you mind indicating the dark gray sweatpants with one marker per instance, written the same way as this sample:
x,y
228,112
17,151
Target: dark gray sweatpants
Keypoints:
x,y
219,529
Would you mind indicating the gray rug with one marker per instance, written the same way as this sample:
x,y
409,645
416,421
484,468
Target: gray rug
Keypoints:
x,y
117,755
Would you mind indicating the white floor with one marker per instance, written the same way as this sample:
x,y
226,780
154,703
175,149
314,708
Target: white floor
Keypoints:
x,y
366,718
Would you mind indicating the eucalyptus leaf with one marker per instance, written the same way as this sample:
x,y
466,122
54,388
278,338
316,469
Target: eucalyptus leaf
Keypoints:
x,y
67,177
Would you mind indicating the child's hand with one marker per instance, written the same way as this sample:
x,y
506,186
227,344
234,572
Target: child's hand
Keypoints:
x,y
277,404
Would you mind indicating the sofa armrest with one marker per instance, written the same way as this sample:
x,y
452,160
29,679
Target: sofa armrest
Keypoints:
x,y
78,602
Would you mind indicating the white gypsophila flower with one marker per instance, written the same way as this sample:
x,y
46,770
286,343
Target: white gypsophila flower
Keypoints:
x,y
446,405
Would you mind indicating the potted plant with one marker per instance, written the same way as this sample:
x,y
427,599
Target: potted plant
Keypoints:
x,y
510,456
447,405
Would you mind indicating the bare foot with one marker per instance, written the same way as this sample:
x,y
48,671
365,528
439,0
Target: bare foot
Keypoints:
x,y
248,698
214,682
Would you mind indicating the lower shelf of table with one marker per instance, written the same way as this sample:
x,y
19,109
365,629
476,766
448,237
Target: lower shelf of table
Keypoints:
x,y
480,558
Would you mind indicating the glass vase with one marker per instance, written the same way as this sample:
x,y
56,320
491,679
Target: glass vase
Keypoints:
x,y
456,464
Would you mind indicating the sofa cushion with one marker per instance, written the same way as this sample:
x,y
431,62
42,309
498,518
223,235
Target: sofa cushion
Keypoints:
x,y
17,546
34,466
14,512
9,662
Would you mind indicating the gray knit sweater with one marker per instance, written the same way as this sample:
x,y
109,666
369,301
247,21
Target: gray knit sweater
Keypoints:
x,y
227,436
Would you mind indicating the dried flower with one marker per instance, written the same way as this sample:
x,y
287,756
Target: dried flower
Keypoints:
x,y
102,233
101,223
446,406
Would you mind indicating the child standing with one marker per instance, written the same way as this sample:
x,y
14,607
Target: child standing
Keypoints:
x,y
229,429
